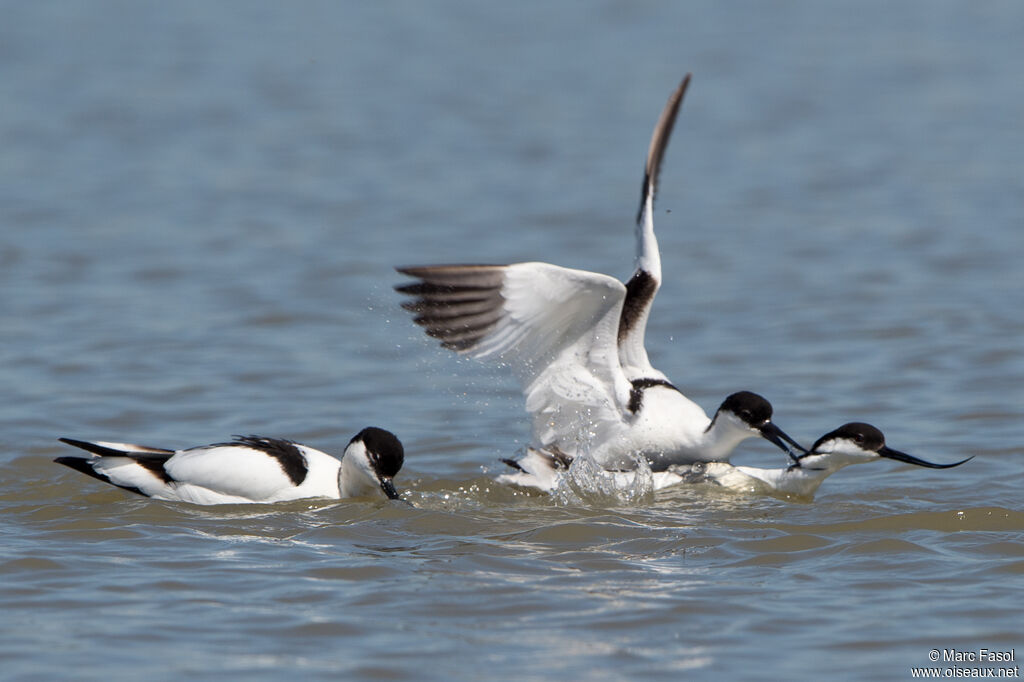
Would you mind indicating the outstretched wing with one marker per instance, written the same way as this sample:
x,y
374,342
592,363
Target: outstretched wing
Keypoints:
x,y
644,284
554,327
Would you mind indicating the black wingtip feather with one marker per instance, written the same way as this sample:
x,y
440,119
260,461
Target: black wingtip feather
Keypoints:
x,y
84,465
95,449
457,304
659,143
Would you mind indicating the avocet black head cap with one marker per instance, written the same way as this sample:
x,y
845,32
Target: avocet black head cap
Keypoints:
x,y
868,439
386,456
756,412
751,408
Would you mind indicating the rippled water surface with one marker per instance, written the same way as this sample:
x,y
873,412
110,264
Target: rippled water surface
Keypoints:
x,y
201,207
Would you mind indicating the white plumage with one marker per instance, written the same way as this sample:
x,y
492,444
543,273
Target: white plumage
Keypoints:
x,y
853,443
575,340
246,470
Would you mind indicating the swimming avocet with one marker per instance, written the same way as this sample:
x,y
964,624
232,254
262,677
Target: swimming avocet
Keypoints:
x,y
248,469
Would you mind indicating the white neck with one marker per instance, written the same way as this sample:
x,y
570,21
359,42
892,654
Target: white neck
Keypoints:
x,y
648,258
803,480
355,479
725,433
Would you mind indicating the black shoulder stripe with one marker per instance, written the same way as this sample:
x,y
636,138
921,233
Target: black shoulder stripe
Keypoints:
x,y
156,466
286,452
640,290
636,394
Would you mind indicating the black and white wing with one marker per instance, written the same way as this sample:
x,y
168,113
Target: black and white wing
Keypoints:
x,y
137,468
249,469
554,327
644,284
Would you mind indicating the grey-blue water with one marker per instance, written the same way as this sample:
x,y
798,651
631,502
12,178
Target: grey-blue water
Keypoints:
x,y
200,208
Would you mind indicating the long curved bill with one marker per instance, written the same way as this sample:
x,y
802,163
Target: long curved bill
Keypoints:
x,y
389,489
773,434
889,453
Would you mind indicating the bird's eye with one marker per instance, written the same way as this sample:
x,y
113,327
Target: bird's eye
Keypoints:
x,y
859,439
745,414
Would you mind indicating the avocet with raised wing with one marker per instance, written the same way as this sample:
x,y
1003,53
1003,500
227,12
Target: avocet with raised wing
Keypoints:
x,y
575,339
246,470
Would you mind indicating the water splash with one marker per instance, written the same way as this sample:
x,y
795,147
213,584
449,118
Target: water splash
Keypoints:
x,y
586,482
